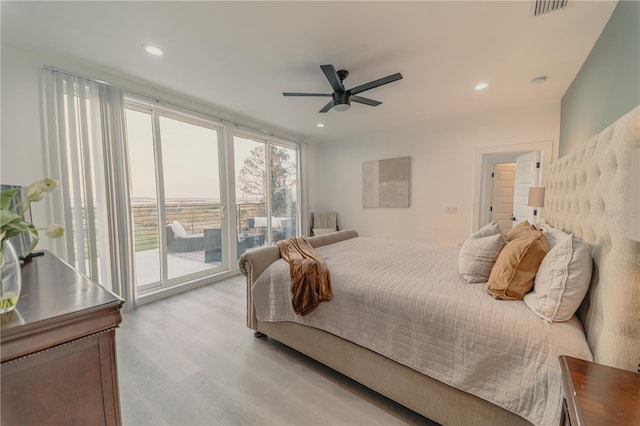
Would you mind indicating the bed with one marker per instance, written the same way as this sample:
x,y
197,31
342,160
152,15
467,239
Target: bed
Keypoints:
x,y
586,194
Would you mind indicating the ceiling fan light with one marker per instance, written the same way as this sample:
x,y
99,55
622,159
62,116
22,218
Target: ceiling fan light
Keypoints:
x,y
341,101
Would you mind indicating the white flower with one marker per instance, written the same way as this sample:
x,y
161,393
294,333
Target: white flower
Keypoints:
x,y
54,231
48,184
37,190
34,192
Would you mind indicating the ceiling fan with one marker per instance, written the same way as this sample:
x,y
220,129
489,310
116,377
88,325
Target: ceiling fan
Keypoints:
x,y
342,98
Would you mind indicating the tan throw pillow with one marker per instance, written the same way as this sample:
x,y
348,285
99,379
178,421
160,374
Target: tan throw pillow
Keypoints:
x,y
512,275
520,229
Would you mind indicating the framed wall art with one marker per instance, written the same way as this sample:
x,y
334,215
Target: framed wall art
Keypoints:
x,y
386,183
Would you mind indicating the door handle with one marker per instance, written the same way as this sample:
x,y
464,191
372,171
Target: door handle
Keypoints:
x,y
513,218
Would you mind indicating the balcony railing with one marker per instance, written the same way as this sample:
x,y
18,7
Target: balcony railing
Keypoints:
x,y
194,215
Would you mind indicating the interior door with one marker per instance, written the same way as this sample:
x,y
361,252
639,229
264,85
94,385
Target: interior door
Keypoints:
x,y
502,189
527,167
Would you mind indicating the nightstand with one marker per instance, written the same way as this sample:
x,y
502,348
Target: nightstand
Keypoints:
x,y
599,395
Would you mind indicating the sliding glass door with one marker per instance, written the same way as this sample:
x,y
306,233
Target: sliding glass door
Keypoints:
x,y
283,192
144,199
266,175
174,163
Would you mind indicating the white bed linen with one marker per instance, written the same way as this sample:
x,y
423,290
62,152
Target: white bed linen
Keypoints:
x,y
407,302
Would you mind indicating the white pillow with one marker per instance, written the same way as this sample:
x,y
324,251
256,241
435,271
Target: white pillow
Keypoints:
x,y
479,252
178,229
552,234
322,231
562,280
260,222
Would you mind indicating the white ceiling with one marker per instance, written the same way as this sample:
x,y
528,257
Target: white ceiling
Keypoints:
x,y
240,56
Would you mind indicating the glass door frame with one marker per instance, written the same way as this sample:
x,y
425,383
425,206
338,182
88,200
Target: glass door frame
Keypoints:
x,y
192,118
268,142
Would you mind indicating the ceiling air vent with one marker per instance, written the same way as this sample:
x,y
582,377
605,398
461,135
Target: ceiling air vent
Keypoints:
x,y
541,7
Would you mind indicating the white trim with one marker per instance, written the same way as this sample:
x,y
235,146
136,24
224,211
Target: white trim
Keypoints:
x,y
303,197
229,214
163,292
156,113
481,154
160,200
274,141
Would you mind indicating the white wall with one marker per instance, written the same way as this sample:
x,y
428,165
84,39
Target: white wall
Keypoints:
x,y
443,162
21,159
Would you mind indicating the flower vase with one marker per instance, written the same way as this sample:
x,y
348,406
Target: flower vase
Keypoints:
x,y
11,279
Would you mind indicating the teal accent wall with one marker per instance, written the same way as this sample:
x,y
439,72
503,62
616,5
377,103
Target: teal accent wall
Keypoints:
x,y
608,84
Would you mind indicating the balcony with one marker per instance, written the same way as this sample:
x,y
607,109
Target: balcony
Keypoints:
x,y
198,246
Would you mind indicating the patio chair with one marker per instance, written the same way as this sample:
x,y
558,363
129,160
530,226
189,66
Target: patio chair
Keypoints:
x,y
212,245
178,241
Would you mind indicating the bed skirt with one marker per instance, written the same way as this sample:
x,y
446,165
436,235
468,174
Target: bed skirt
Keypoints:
x,y
422,394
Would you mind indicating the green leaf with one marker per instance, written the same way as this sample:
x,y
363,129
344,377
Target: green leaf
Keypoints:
x,y
34,239
12,229
7,216
6,196
11,224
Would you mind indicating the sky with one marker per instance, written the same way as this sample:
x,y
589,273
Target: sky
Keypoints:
x,y
189,154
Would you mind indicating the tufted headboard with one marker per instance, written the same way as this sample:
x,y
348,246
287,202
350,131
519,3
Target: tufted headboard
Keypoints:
x,y
587,194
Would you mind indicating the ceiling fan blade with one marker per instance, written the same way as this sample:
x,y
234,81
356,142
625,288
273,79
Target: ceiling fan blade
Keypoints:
x,y
306,94
327,107
376,83
331,74
365,101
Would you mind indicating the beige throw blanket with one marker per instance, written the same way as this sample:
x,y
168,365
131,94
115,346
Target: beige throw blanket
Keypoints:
x,y
310,281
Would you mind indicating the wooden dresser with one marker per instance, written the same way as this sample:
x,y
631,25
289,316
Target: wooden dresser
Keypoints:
x,y
58,349
599,395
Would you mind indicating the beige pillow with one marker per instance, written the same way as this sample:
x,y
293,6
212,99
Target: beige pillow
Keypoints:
x,y
562,280
479,252
512,275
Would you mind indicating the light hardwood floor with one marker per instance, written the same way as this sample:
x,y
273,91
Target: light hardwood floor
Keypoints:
x,y
190,360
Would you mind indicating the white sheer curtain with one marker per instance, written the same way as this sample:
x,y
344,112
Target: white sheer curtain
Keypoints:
x,y
86,150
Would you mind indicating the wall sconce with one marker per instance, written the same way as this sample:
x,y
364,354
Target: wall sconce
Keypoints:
x,y
536,198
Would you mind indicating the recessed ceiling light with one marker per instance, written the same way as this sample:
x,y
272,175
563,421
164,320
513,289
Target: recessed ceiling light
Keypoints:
x,y
153,50
320,125
539,80
481,86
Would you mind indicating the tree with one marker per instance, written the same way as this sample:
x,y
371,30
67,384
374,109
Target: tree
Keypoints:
x,y
282,178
